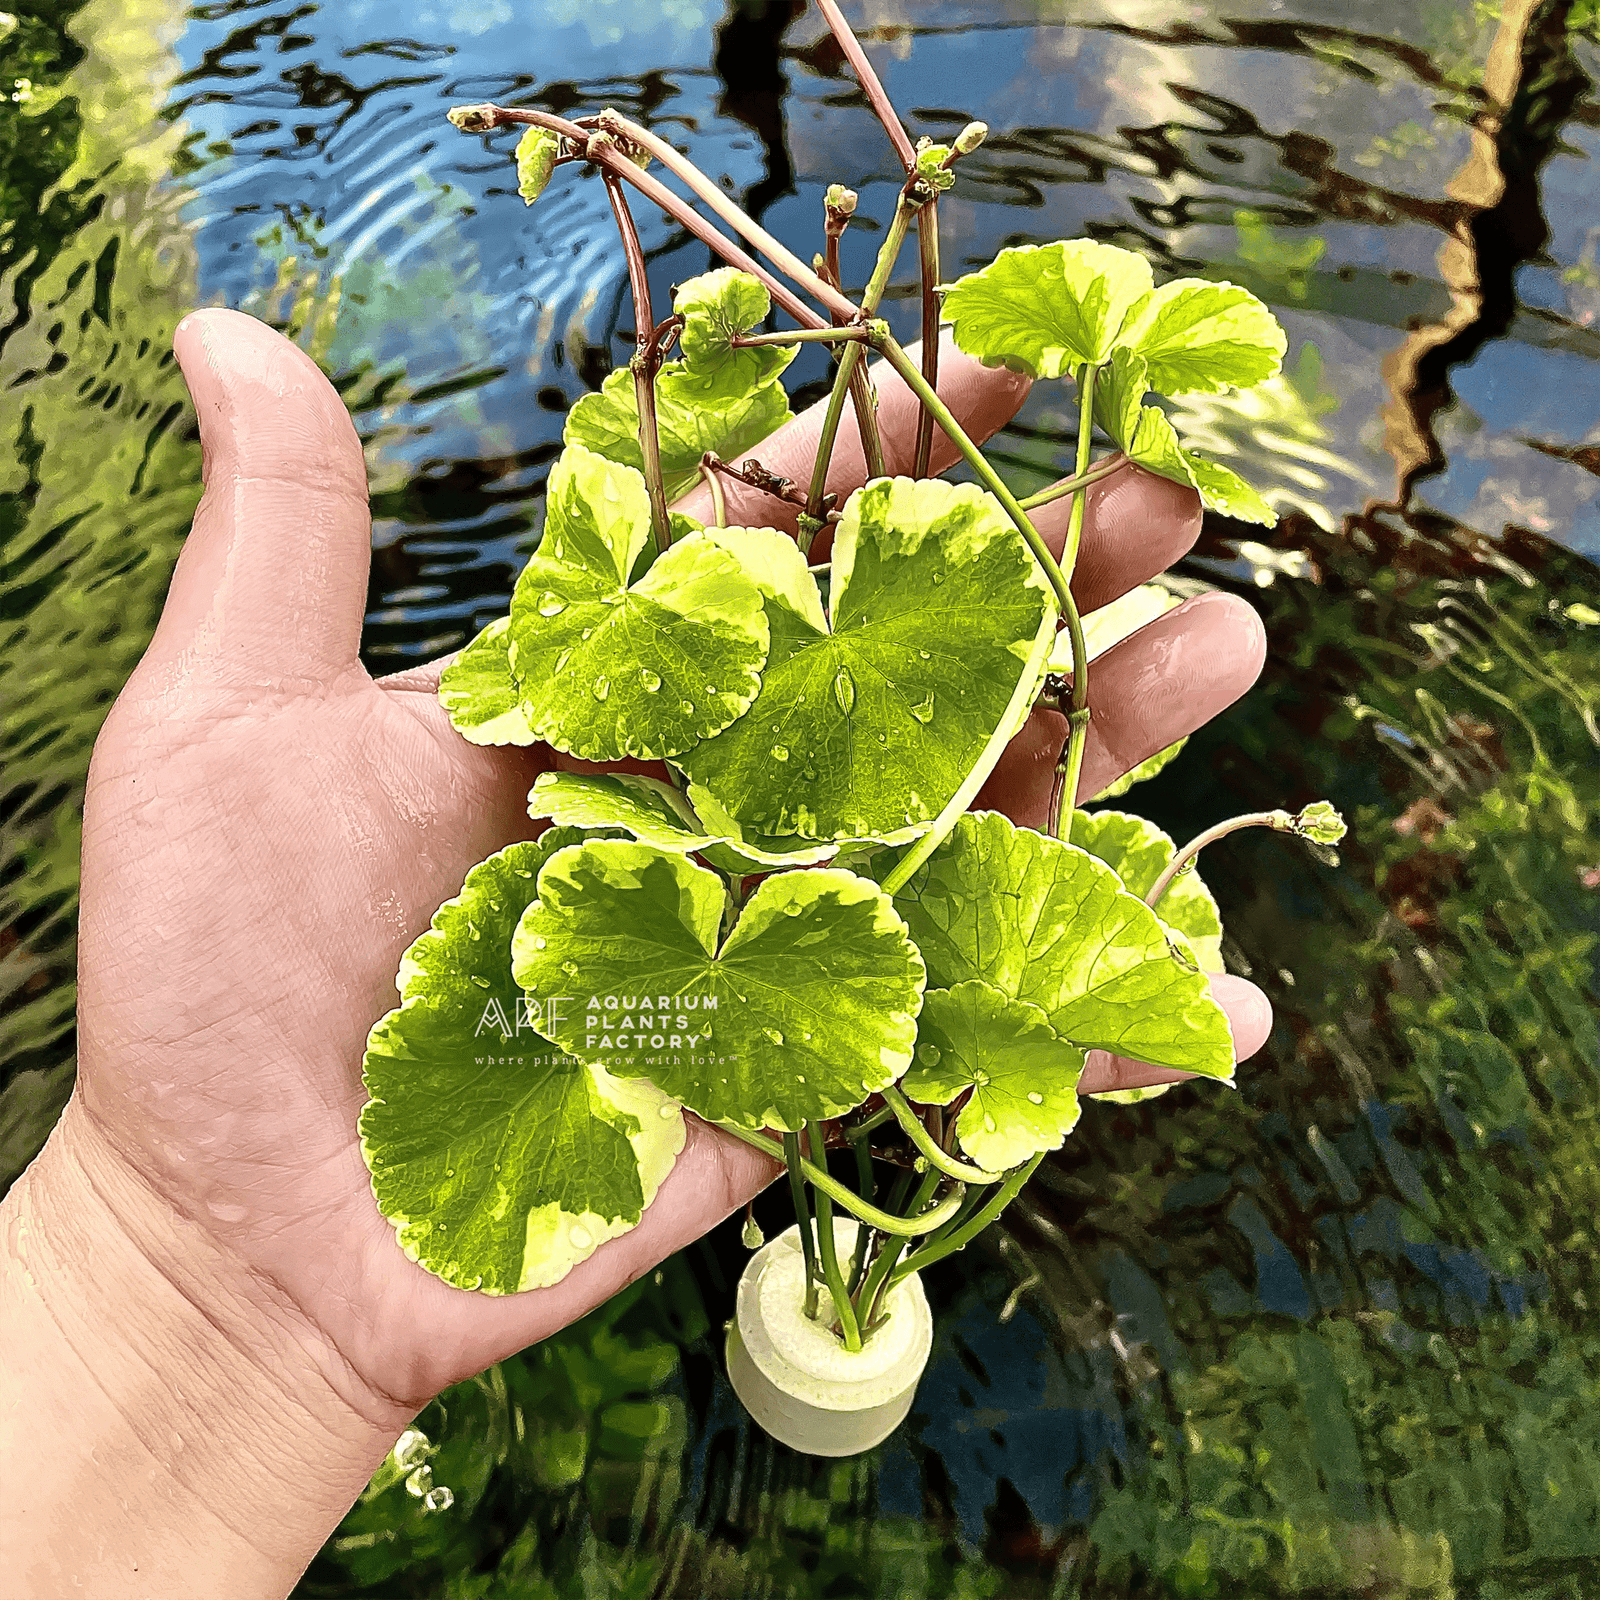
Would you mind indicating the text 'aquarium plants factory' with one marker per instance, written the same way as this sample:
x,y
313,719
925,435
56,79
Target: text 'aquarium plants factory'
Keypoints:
x,y
763,896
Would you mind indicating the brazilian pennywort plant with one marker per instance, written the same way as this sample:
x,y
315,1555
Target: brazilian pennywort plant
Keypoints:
x,y
801,933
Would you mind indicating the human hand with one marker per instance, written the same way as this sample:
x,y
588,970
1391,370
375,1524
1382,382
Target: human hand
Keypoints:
x,y
267,827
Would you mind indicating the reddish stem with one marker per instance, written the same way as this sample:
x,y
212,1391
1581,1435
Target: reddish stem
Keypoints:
x,y
868,79
492,116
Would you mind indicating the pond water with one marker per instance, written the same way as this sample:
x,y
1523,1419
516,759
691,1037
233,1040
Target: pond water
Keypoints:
x,y
1333,1334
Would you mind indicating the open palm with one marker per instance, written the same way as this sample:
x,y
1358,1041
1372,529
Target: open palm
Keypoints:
x,y
268,827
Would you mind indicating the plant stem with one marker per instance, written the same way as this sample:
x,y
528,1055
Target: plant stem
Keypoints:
x,y
1086,377
713,197
929,1149
904,210
928,251
802,1215
867,1183
679,210
872,1288
848,1326
959,1237
1069,768
1101,469
868,79
901,1227
862,396
713,483
646,360
753,341
1278,821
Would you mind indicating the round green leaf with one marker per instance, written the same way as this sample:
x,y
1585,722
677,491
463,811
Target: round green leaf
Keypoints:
x,y
607,668
807,1007
1045,309
694,414
1046,922
1145,434
1023,1078
1199,337
716,307
480,694
1139,852
501,1160
650,810
868,721
693,824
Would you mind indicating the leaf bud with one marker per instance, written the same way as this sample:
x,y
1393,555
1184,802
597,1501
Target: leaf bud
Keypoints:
x,y
1320,823
472,119
970,138
752,1238
931,167
536,159
840,200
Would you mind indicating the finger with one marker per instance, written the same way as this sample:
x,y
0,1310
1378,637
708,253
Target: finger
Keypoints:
x,y
272,581
1249,1018
1155,687
983,399
1135,524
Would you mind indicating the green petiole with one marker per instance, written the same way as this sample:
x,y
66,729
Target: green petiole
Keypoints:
x,y
905,209
828,1245
928,1149
802,1216
901,1227
959,1237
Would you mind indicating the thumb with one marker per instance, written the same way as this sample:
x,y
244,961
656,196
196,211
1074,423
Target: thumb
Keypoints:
x,y
272,581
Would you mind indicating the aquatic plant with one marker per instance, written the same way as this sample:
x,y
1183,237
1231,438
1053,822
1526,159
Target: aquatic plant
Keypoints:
x,y
792,924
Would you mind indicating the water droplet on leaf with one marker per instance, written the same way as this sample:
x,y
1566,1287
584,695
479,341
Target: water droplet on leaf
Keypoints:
x,y
539,941
780,752
650,680
988,1123
1036,1097
844,690
773,1035
668,1111
923,711
929,1054
580,1236
926,655
551,605
602,687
